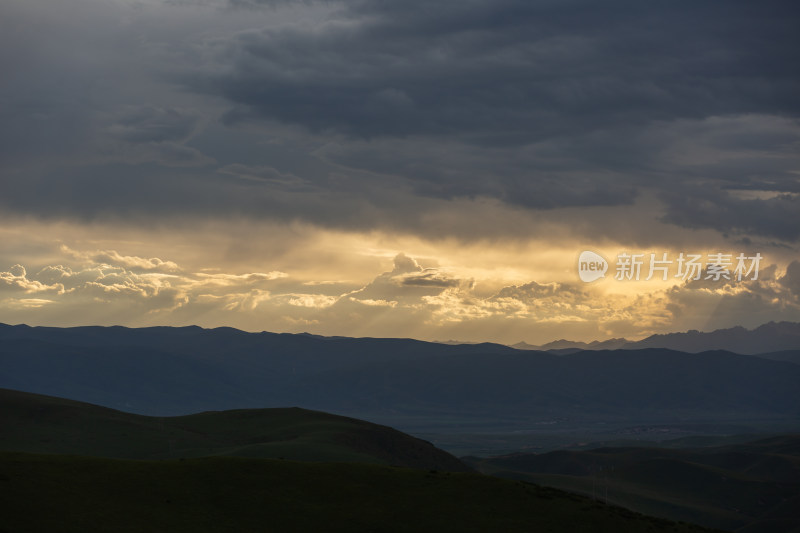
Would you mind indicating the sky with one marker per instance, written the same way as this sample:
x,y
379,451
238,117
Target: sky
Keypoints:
x,y
427,169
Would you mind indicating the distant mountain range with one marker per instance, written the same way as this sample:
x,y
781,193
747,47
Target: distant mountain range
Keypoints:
x,y
770,337
563,344
398,382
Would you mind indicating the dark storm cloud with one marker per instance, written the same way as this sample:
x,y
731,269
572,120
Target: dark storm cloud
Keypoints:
x,y
543,104
253,4
264,174
369,114
777,217
515,71
791,280
152,124
533,176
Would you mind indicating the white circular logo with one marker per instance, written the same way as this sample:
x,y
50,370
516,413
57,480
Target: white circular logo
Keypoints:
x,y
591,266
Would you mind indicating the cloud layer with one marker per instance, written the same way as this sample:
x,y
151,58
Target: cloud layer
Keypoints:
x,y
480,135
371,114
107,287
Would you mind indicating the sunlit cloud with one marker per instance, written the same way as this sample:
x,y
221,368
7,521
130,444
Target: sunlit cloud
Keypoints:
x,y
26,303
16,280
111,257
435,301
315,301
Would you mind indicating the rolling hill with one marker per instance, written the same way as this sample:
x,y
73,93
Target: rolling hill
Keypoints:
x,y
70,466
43,424
753,486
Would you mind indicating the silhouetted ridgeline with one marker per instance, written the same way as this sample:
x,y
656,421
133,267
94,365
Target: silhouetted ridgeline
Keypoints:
x,y
44,424
769,337
170,371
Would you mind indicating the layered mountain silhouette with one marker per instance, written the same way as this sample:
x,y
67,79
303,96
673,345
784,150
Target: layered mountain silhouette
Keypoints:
x,y
563,344
176,371
769,337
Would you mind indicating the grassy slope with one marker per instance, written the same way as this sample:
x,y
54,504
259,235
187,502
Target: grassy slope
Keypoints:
x,y
728,487
82,494
35,423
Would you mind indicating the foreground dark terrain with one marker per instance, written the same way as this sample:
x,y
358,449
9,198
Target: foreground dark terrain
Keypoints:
x,y
83,494
337,487
752,486
678,435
